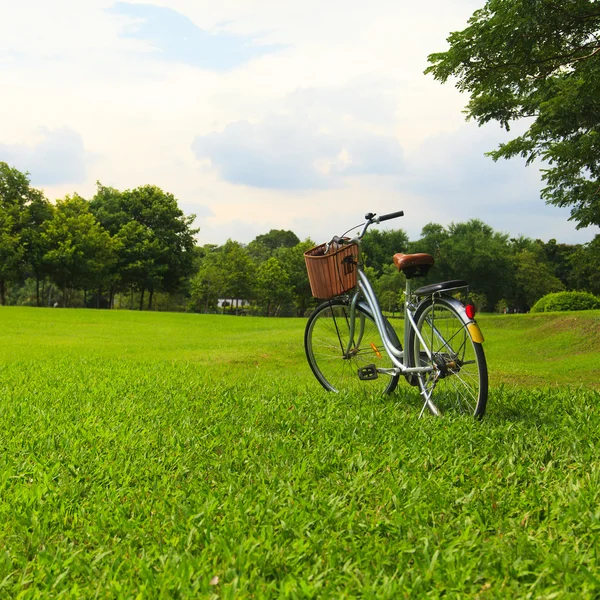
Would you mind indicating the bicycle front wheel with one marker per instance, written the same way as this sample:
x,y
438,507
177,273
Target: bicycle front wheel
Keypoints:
x,y
343,367
459,379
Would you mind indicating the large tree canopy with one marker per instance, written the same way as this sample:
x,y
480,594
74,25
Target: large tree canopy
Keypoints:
x,y
537,59
20,206
155,239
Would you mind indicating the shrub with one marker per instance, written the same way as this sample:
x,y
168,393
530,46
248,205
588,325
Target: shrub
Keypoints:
x,y
566,301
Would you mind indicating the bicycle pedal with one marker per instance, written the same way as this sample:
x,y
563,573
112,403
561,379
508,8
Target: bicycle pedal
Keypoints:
x,y
368,373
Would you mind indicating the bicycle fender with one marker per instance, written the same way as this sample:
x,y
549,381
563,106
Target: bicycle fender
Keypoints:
x,y
470,324
475,333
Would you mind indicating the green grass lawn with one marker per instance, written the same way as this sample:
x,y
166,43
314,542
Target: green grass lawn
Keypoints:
x,y
167,455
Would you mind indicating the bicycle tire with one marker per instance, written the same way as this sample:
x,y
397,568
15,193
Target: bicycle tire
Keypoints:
x,y
459,382
325,340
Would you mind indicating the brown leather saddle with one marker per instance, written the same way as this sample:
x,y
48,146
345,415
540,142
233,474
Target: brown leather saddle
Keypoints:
x,y
414,265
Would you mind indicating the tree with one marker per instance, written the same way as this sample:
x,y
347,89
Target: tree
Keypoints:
x,y
11,251
37,215
278,238
539,60
79,251
272,284
292,260
208,283
238,272
584,264
379,247
16,196
560,257
157,239
432,241
139,262
389,288
472,251
534,279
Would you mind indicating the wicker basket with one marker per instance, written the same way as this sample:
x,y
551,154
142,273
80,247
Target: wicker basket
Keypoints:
x,y
333,273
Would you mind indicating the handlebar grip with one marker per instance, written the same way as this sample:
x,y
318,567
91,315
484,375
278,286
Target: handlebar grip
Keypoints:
x,y
389,216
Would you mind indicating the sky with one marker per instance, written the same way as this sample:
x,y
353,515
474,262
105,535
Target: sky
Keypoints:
x,y
259,114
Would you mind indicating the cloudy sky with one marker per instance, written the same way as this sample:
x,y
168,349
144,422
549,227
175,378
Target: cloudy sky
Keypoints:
x,y
258,114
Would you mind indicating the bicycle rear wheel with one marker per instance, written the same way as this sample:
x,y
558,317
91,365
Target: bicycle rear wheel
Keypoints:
x,y
459,380
326,340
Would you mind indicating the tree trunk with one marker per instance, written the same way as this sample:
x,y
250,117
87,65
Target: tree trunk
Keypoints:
x,y
268,308
64,295
2,293
99,296
37,290
111,296
150,294
142,299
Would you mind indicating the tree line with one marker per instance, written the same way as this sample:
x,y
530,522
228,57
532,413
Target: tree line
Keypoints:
x,y
130,249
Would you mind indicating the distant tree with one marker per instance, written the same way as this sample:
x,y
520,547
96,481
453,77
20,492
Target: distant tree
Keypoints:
x,y
139,254
534,278
379,247
239,272
292,261
37,216
110,208
432,241
208,283
16,196
278,238
262,247
478,254
79,251
560,258
472,251
259,252
389,288
272,285
11,251
157,240
537,60
585,265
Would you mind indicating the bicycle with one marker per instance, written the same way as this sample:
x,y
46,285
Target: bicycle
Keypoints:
x,y
350,345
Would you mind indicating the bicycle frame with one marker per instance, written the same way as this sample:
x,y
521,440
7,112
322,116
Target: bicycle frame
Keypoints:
x,y
397,354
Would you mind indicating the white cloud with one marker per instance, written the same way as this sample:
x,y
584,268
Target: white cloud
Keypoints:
x,y
58,158
290,152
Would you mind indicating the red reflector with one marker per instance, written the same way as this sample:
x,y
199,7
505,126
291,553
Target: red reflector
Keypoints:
x,y
470,310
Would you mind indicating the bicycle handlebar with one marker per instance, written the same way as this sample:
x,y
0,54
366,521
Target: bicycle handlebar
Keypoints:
x,y
389,216
370,219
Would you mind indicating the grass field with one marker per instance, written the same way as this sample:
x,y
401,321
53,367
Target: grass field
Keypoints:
x,y
167,455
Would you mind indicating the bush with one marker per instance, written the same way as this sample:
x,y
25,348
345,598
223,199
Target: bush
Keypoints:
x,y
566,301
